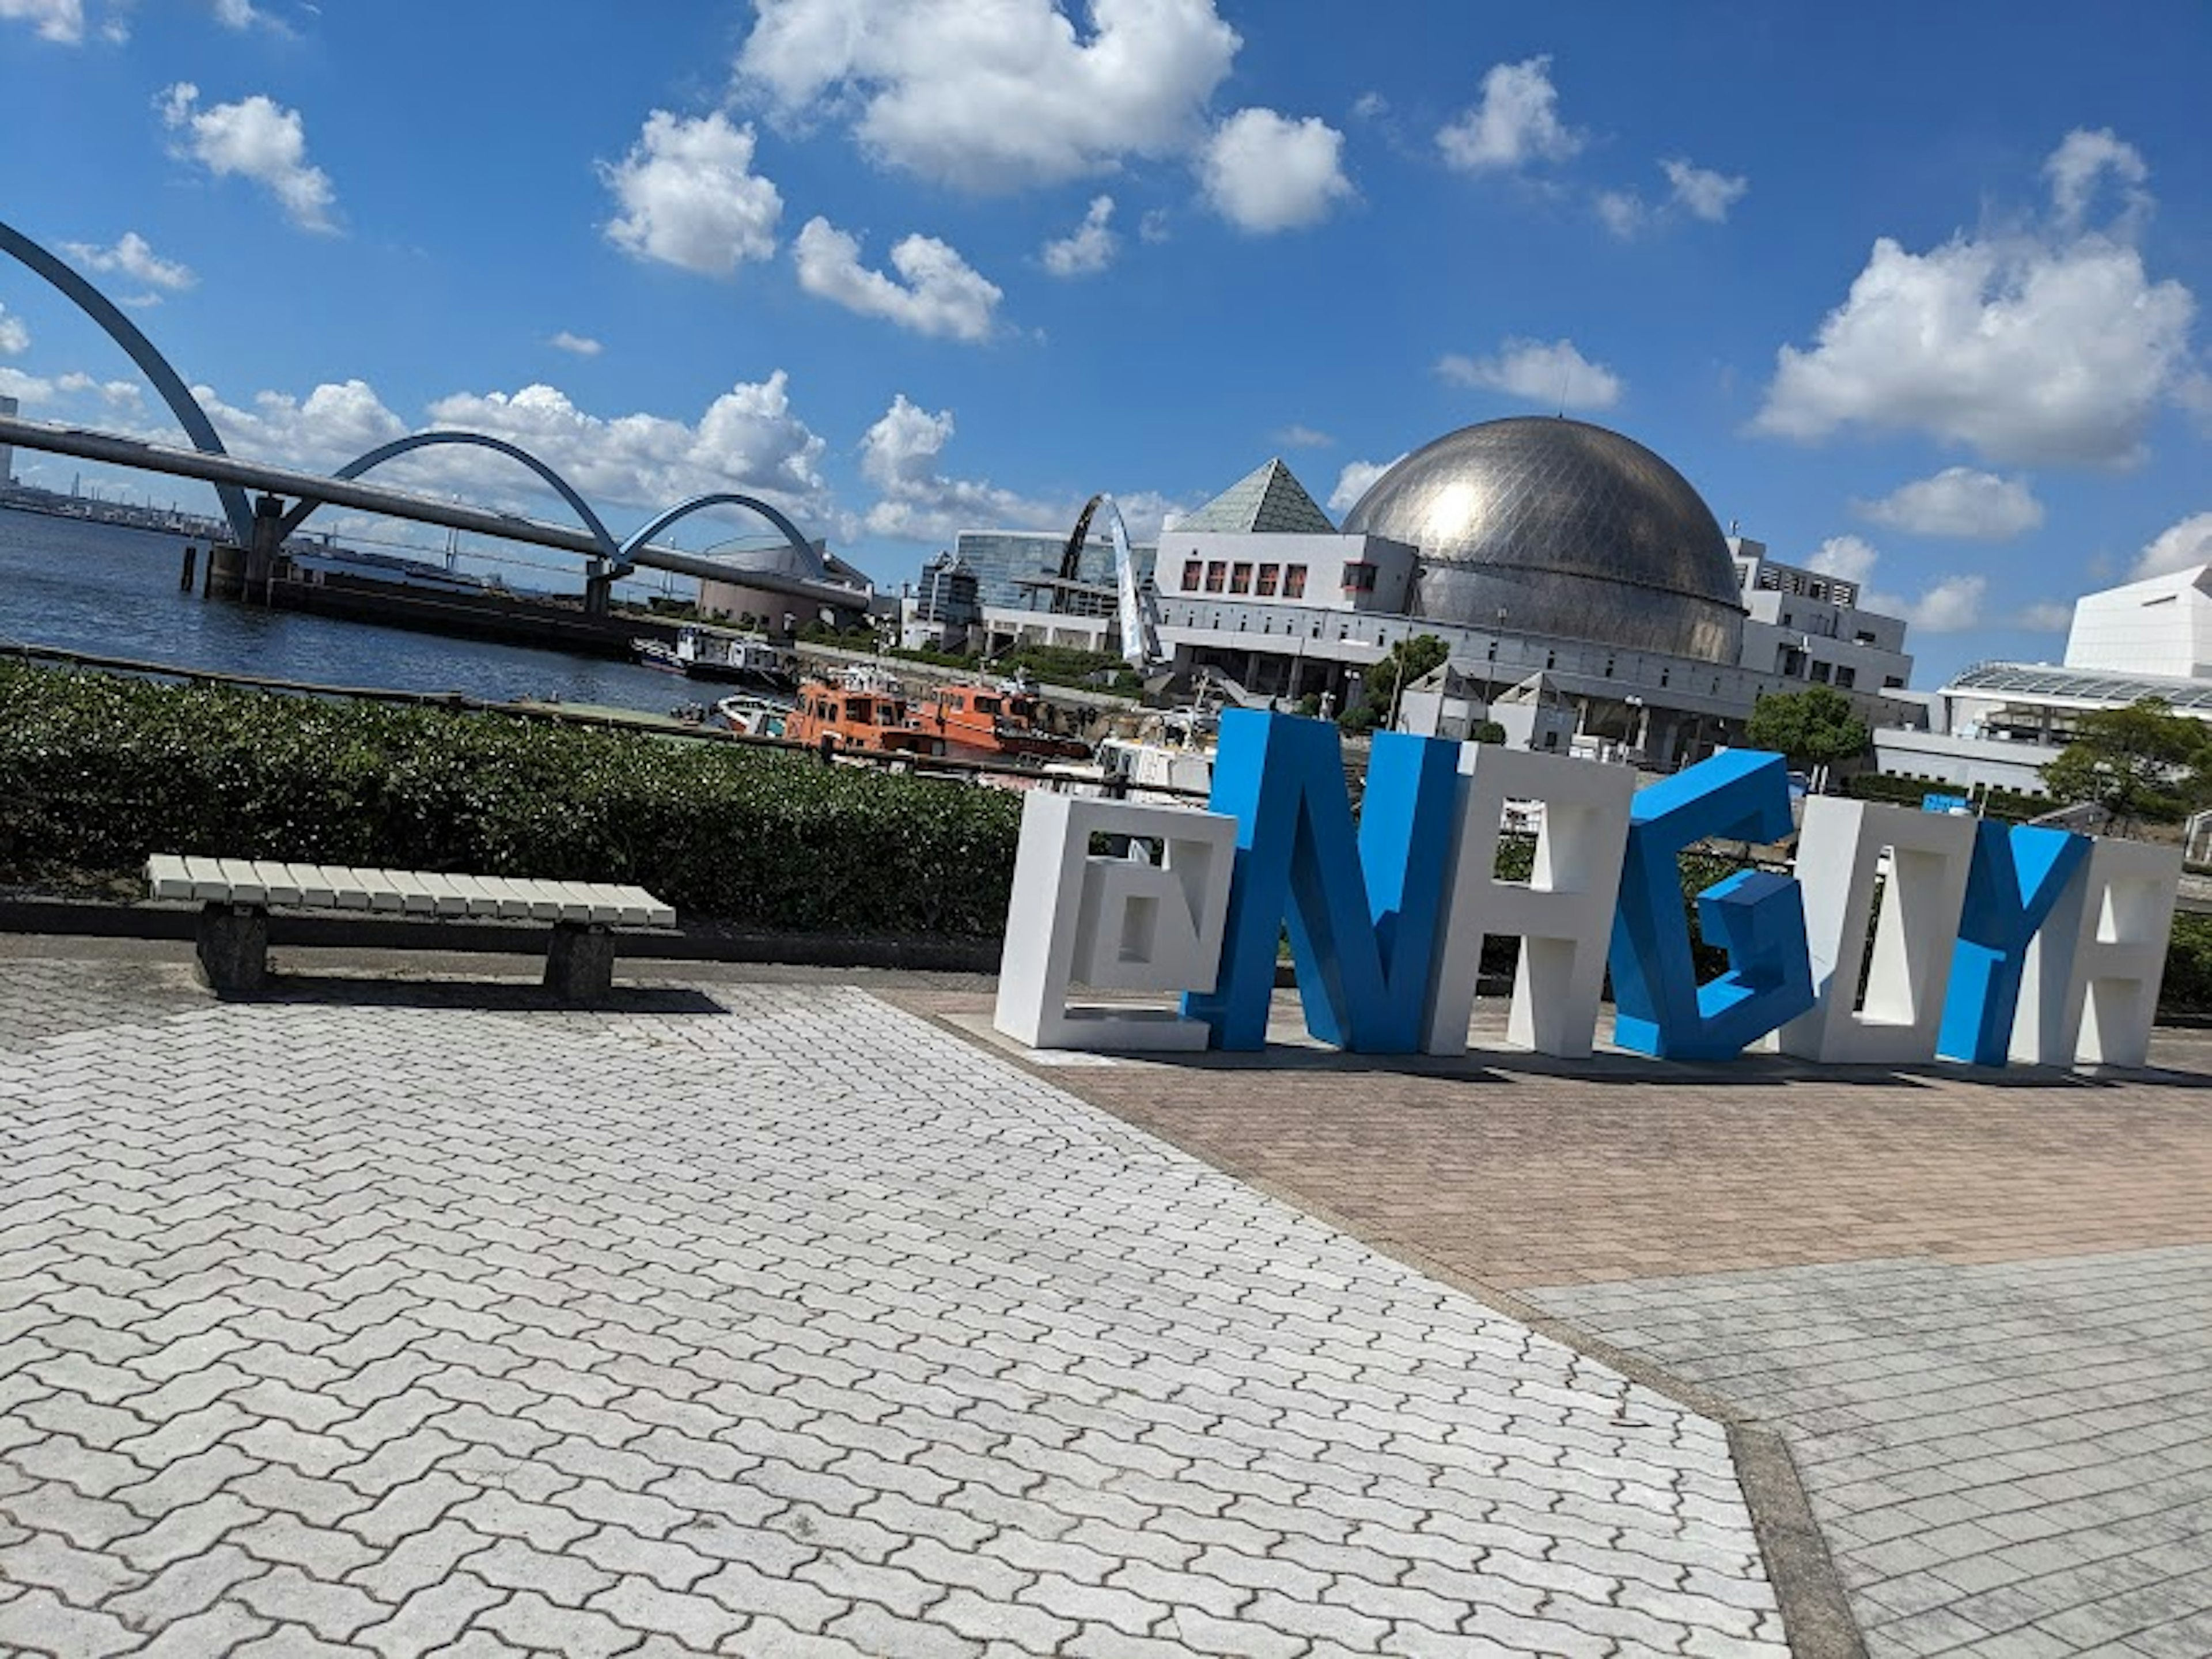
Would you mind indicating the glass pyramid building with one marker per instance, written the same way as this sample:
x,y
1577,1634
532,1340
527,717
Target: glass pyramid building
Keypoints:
x,y
1269,499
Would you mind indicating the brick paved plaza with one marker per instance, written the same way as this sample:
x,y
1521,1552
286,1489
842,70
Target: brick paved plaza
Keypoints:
x,y
762,1320
788,1318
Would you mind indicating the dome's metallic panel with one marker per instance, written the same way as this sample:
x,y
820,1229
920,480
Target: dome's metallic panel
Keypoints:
x,y
1567,529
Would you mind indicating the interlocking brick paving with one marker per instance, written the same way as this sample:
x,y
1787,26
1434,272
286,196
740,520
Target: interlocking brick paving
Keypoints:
x,y
2010,1459
780,1323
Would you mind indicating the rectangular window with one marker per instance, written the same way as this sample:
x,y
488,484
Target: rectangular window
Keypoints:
x,y
1294,581
1240,577
1271,577
1191,569
1820,674
1217,572
1847,677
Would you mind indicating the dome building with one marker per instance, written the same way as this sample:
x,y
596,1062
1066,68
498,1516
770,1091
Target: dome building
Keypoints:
x,y
1556,526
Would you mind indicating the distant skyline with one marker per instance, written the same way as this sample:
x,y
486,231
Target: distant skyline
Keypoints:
x,y
1908,292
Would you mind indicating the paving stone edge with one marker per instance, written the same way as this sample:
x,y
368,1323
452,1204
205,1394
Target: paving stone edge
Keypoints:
x,y
1816,1616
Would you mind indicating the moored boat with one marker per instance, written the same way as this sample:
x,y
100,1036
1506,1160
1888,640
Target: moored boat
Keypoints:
x,y
706,653
753,716
1005,719
864,710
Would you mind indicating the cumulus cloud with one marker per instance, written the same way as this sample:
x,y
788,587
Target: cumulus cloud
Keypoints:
x,y
1265,173
1304,437
1355,481
58,21
2080,162
936,291
15,338
1847,556
253,138
132,256
2049,617
581,344
2049,343
1949,606
243,14
1557,374
1701,192
2176,548
1959,502
994,97
689,197
1514,121
1622,212
335,422
1087,249
901,456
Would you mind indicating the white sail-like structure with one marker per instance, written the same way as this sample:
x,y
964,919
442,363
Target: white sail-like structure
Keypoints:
x,y
1140,621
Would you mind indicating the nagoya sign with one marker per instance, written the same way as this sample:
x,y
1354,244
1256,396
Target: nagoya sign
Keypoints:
x,y
1981,942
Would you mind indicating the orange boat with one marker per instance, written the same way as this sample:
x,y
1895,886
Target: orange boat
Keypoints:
x,y
864,712
998,720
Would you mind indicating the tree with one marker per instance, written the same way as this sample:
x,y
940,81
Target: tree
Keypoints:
x,y
2143,762
1409,658
1814,727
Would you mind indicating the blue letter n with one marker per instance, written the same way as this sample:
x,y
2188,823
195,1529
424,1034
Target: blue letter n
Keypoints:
x,y
1362,915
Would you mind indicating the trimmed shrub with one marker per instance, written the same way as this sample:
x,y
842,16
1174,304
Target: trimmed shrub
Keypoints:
x,y
97,773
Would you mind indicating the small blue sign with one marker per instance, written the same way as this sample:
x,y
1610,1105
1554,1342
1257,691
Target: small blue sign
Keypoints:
x,y
1947,803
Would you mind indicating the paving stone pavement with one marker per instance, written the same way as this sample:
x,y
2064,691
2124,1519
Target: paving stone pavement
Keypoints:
x,y
792,1326
2007,1459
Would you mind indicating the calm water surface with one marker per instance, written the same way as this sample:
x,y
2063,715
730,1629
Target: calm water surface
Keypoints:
x,y
110,590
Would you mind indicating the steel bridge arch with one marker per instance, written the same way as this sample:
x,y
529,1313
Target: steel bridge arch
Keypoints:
x,y
814,568
142,351
353,469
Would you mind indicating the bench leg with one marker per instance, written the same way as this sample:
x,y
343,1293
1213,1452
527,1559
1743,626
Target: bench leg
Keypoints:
x,y
579,963
234,949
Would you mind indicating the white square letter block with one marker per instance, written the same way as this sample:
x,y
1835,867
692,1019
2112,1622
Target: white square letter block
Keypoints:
x,y
1839,848
1114,924
2088,990
1563,914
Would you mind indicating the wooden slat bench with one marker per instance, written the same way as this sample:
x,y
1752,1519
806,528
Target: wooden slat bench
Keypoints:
x,y
235,895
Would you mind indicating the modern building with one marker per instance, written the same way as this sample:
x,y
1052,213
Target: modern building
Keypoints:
x,y
8,409
1998,723
774,613
1586,596
946,608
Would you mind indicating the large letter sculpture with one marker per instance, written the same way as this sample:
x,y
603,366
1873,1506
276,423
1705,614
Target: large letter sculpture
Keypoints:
x,y
1121,923
1839,847
1362,915
2090,987
1563,914
1660,1008
2018,875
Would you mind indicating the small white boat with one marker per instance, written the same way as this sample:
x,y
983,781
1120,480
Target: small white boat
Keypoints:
x,y
752,716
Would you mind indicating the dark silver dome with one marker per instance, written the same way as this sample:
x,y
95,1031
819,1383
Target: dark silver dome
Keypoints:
x,y
1567,529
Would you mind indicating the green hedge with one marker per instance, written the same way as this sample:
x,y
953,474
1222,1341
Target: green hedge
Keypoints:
x,y
97,772
2007,804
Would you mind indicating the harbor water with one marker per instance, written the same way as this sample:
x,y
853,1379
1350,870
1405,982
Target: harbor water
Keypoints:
x,y
113,592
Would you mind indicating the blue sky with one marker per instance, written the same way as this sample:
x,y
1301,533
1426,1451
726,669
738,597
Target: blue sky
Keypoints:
x,y
1908,291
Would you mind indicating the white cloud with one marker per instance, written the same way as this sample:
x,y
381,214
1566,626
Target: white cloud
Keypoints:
x,y
1950,606
1355,481
1089,248
335,422
1304,437
689,197
2176,548
1153,226
2047,344
1557,374
58,21
2049,617
1959,502
24,388
244,15
1265,173
581,344
901,455
997,96
1702,192
936,292
1369,105
1622,211
1514,121
133,257
254,138
15,338
1847,556
2081,160
1947,606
